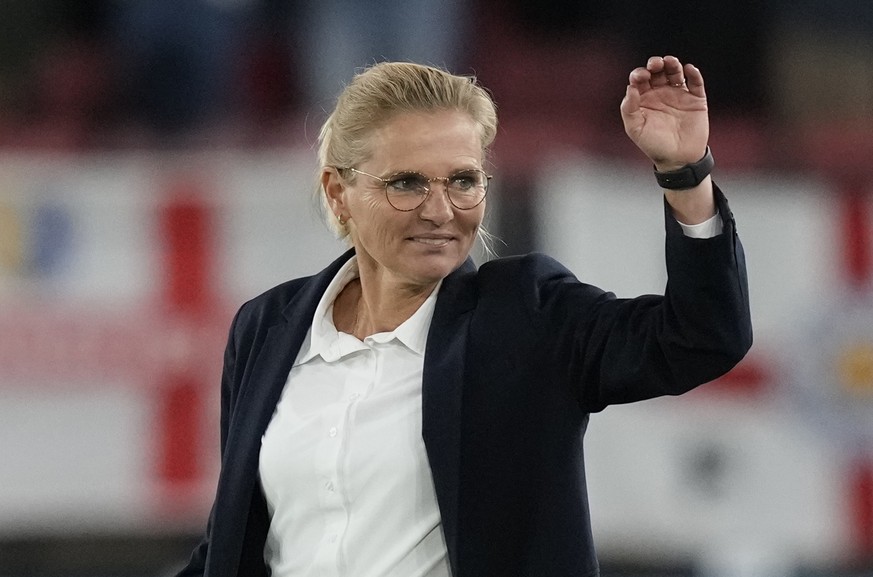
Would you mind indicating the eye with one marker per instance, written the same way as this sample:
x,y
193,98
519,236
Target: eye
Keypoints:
x,y
409,182
466,180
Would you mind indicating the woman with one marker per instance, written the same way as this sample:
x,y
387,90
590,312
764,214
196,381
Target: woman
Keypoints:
x,y
403,413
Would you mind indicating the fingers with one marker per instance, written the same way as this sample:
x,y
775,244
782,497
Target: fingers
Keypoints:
x,y
673,72
667,71
694,80
630,112
630,104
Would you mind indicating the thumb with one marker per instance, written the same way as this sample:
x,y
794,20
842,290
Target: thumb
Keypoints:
x,y
630,108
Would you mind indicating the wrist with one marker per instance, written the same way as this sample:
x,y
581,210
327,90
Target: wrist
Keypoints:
x,y
687,176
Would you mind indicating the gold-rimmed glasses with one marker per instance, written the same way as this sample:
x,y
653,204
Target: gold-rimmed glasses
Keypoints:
x,y
408,190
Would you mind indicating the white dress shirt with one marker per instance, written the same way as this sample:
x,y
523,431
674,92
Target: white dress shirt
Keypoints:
x,y
342,463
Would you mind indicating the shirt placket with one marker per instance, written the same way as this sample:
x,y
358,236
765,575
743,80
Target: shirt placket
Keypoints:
x,y
331,461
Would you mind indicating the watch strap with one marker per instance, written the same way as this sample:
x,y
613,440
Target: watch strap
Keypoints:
x,y
688,176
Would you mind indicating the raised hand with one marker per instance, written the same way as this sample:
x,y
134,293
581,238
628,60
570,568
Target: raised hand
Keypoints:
x,y
665,113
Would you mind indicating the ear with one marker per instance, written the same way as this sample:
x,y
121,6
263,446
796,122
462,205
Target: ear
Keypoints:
x,y
334,189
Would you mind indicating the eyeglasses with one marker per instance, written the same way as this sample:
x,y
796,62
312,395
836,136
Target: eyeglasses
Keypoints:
x,y
407,191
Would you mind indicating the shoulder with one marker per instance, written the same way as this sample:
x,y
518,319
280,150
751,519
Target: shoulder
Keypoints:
x,y
535,281
273,301
255,317
292,300
531,265
529,272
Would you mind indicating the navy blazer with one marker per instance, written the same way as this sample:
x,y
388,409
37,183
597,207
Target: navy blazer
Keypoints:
x,y
519,353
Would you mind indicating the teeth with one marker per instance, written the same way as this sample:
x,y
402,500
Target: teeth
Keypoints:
x,y
433,241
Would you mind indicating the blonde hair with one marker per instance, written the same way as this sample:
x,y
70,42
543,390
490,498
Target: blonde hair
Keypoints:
x,y
383,90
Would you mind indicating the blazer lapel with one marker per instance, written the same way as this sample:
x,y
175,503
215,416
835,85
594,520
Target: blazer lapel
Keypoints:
x,y
262,389
442,388
281,345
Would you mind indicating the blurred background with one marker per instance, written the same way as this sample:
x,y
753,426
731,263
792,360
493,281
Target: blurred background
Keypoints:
x,y
157,170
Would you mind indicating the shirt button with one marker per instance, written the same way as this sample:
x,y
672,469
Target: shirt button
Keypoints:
x,y
332,538
332,432
329,487
354,396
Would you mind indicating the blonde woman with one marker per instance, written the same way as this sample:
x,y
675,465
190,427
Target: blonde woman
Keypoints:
x,y
404,413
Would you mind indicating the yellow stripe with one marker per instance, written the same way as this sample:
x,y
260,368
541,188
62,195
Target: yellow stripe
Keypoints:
x,y
855,369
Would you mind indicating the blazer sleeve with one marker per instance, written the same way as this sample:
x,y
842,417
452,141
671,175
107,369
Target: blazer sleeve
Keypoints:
x,y
613,350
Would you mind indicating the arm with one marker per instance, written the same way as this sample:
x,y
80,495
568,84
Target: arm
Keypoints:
x,y
632,349
612,350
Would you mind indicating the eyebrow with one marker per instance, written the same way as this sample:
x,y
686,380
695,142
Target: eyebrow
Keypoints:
x,y
422,173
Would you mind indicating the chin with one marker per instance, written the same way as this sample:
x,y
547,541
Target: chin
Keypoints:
x,y
437,269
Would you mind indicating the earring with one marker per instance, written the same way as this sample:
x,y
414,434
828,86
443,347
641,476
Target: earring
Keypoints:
x,y
339,219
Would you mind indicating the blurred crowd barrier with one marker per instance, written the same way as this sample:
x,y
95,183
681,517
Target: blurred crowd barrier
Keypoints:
x,y
120,273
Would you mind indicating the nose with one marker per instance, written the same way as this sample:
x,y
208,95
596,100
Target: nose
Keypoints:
x,y
436,207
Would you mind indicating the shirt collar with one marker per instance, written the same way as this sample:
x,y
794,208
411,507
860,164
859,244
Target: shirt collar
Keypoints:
x,y
325,341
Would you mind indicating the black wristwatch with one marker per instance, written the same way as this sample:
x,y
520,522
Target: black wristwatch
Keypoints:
x,y
688,176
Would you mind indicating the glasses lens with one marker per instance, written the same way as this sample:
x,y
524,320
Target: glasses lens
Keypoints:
x,y
406,191
467,189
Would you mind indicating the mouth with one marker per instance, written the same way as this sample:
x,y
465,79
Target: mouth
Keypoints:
x,y
435,241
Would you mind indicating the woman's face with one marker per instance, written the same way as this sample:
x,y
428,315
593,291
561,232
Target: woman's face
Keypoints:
x,y
424,245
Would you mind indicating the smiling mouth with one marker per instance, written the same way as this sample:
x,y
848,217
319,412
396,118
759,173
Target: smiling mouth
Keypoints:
x,y
442,241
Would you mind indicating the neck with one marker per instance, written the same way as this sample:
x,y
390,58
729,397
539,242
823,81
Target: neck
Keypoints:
x,y
365,308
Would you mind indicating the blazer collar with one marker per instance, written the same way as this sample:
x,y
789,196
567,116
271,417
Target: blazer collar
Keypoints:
x,y
281,346
279,350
